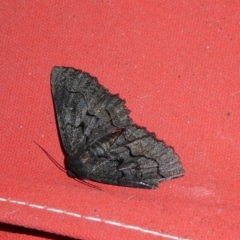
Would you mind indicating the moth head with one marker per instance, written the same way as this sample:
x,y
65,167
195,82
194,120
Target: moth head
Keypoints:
x,y
78,164
85,157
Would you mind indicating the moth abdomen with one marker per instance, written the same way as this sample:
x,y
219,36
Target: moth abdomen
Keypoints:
x,y
100,147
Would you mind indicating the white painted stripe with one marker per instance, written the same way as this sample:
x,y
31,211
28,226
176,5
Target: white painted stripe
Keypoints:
x,y
35,206
17,202
94,219
55,210
118,224
73,214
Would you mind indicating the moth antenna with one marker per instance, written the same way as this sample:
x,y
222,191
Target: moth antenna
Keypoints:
x,y
55,162
52,159
87,184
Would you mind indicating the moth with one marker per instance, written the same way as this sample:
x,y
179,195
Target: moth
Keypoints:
x,y
101,141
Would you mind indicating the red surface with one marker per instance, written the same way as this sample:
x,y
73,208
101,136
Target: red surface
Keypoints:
x,y
177,65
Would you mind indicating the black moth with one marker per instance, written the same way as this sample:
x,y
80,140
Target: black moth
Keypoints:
x,y
101,141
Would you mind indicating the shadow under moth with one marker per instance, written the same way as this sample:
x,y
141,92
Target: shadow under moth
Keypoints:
x,y
99,138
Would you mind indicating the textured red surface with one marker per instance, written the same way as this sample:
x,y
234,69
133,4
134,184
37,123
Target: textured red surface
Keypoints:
x,y
177,65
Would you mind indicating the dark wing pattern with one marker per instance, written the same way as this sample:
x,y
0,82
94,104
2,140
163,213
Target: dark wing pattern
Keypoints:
x,y
137,159
101,142
86,111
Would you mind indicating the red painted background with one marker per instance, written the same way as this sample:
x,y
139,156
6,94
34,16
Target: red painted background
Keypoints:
x,y
177,64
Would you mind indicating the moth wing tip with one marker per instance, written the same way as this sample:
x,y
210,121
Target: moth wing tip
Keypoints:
x,y
56,71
